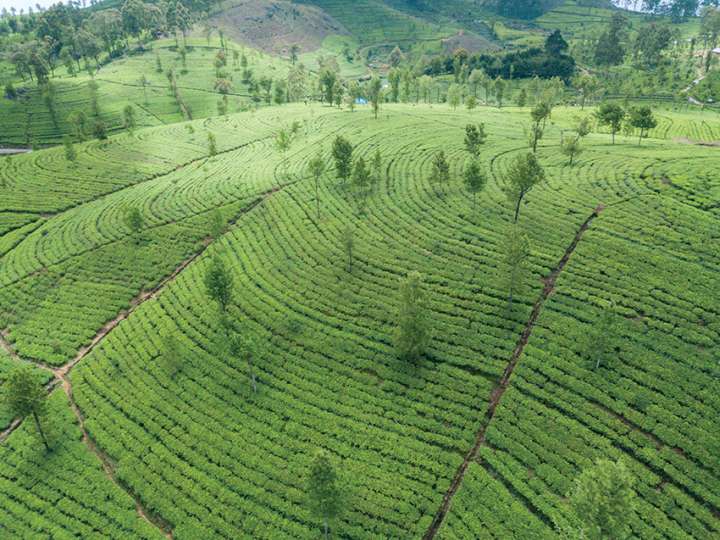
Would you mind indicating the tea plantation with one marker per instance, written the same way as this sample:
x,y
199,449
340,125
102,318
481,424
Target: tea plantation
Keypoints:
x,y
480,438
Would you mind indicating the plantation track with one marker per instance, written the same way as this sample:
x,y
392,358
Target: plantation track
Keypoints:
x,y
61,374
520,381
504,382
114,192
107,464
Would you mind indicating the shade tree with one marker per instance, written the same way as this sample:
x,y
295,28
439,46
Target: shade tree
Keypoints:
x,y
412,334
475,137
642,118
25,397
521,177
219,283
611,115
440,171
316,168
474,179
342,152
324,496
603,500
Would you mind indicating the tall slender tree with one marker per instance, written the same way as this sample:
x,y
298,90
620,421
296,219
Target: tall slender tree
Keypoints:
x,y
603,499
24,397
342,151
522,176
475,180
219,283
325,498
316,167
412,335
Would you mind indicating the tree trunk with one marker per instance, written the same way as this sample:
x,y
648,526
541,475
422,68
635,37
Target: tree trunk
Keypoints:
x,y
40,431
517,208
317,199
613,136
327,531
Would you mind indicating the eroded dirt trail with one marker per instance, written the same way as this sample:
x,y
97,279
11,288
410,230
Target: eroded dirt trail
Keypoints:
x,y
107,464
61,374
503,383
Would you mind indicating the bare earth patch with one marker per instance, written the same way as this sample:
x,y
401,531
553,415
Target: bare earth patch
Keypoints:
x,y
275,25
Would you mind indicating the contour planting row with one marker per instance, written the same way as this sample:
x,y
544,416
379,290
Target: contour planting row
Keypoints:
x,y
29,119
64,493
325,333
651,401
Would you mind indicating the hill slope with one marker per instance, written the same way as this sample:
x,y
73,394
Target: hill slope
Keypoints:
x,y
509,393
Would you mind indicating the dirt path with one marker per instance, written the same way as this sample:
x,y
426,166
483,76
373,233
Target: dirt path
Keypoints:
x,y
107,464
151,178
503,383
61,373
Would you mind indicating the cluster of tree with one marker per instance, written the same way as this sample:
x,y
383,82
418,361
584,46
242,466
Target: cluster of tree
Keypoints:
x,y
678,10
550,61
334,91
647,47
521,9
65,34
635,118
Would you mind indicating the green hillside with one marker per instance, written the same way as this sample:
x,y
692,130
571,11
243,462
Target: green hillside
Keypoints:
x,y
636,221
30,120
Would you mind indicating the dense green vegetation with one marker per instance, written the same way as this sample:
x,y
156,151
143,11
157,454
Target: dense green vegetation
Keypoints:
x,y
324,329
451,273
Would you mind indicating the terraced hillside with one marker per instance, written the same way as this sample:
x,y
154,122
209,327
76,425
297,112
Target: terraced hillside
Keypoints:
x,y
28,120
481,438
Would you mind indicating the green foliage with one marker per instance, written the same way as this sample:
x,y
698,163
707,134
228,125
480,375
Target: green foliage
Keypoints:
x,y
217,224
212,144
70,152
324,496
610,114
440,171
342,152
170,356
642,118
454,96
610,49
522,176
475,137
283,140
601,338
571,147
25,398
219,283
375,94
348,243
603,499
316,168
99,130
129,121
517,252
361,178
134,221
329,368
475,179
412,335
